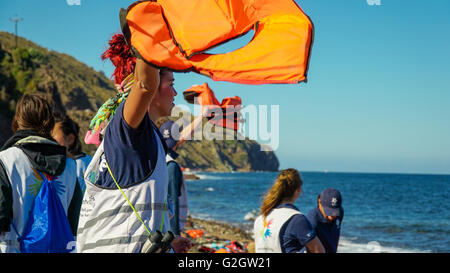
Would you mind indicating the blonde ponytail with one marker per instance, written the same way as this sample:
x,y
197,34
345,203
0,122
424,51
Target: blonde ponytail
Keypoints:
x,y
287,182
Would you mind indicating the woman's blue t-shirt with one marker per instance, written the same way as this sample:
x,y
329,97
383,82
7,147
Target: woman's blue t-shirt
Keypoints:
x,y
131,153
296,232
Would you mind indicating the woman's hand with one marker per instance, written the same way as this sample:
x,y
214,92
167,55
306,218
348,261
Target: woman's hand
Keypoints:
x,y
181,244
189,131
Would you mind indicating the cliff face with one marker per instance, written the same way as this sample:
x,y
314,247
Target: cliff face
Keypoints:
x,y
79,91
223,155
226,155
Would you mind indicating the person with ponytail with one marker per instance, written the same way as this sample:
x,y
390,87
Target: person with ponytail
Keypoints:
x,y
126,197
281,227
66,133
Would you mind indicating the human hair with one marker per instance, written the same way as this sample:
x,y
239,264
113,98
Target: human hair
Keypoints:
x,y
121,56
119,53
34,112
68,126
287,182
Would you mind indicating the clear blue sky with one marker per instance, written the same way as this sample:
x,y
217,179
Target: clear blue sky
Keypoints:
x,y
378,95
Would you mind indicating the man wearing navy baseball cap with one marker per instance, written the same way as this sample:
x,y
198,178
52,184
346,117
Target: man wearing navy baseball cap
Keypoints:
x,y
326,218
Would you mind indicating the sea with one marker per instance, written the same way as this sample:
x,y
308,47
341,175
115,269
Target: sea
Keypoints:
x,y
384,213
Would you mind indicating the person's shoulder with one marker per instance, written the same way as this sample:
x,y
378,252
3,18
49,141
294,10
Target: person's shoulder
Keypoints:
x,y
82,157
120,135
299,225
174,168
173,164
119,124
86,158
11,152
296,221
287,206
299,219
312,213
312,216
258,222
71,164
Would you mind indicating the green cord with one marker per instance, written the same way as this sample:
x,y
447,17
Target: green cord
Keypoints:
x,y
131,205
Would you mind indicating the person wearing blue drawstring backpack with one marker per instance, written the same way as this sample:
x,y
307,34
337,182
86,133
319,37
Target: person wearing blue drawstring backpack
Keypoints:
x,y
39,194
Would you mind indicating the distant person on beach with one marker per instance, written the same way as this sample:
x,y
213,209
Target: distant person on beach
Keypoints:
x,y
29,159
66,133
326,218
281,227
177,186
126,198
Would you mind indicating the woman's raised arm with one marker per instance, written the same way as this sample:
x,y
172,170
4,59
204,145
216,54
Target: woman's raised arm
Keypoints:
x,y
145,86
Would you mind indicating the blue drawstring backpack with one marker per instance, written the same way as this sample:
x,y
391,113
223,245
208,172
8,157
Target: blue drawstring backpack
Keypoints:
x,y
48,229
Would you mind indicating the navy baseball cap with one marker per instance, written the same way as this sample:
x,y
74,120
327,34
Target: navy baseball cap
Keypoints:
x,y
331,201
166,131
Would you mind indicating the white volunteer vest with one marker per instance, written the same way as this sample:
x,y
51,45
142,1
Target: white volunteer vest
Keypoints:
x,y
182,200
267,232
107,223
26,183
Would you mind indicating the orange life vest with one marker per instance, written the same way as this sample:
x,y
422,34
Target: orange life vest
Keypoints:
x,y
230,107
175,34
195,233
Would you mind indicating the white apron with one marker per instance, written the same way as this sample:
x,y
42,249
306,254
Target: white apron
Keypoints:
x,y
107,222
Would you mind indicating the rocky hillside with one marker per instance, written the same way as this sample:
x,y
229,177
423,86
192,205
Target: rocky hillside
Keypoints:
x,y
79,91
226,155
222,155
74,87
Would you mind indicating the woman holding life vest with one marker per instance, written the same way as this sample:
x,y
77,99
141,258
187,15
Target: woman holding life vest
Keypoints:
x,y
66,133
28,160
281,227
126,199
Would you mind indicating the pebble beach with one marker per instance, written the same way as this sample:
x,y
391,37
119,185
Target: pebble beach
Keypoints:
x,y
217,237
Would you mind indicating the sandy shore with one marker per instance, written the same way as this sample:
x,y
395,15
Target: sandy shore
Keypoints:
x,y
216,236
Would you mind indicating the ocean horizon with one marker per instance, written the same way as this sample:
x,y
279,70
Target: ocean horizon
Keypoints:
x,y
189,171
384,212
